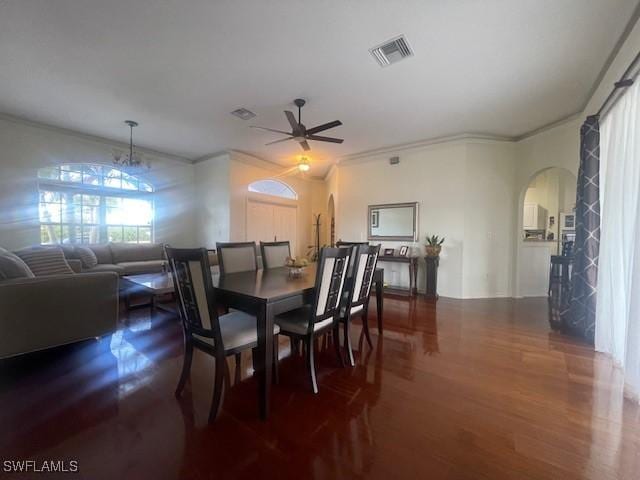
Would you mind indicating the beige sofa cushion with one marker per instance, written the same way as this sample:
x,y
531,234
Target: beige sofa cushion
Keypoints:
x,y
106,267
12,266
148,266
88,257
102,252
134,252
45,260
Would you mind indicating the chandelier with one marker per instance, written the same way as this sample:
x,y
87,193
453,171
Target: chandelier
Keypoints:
x,y
132,159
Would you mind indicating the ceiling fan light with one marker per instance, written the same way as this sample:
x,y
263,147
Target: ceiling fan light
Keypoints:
x,y
304,166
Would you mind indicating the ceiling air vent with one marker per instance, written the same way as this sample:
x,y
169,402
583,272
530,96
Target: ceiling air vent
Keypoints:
x,y
243,113
392,51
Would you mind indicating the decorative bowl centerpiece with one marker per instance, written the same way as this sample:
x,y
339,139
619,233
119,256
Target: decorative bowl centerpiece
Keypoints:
x,y
296,266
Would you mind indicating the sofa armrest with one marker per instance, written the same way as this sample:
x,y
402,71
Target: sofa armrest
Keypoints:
x,y
42,312
75,264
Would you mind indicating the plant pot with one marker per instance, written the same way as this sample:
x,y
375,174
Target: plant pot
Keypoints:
x,y
433,250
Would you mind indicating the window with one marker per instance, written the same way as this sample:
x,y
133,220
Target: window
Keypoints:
x,y
92,204
273,187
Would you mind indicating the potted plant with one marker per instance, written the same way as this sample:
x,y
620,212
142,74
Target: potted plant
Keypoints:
x,y
434,245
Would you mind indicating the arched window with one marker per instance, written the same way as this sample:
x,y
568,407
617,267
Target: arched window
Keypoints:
x,y
273,187
94,204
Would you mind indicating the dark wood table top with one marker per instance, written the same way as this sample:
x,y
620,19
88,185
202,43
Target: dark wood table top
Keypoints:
x,y
270,284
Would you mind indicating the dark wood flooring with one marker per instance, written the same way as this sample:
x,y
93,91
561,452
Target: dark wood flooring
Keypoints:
x,y
475,389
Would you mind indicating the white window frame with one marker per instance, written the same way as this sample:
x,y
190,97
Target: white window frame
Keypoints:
x,y
144,192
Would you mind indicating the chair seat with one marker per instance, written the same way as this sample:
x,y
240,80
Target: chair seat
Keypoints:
x,y
354,310
238,330
297,321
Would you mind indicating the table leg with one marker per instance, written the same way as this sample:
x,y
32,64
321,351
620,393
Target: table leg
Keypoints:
x,y
379,303
265,358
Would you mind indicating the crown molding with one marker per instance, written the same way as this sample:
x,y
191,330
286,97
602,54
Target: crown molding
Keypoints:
x,y
548,126
332,169
635,16
91,138
459,138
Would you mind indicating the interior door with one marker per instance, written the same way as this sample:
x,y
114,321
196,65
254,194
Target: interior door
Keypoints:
x,y
260,225
285,225
268,222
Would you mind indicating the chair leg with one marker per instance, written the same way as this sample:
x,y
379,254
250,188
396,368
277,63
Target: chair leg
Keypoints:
x,y
186,366
218,389
336,343
347,343
276,374
238,368
311,366
295,346
365,327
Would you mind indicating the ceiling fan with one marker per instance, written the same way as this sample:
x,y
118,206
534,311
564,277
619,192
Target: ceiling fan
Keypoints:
x,y
299,132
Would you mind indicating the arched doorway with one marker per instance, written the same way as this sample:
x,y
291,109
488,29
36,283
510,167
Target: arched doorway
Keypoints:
x,y
331,212
545,222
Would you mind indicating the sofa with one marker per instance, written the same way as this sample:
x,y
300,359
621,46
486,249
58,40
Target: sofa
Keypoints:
x,y
120,258
44,303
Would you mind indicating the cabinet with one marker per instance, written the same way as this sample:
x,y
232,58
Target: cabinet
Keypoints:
x,y
534,217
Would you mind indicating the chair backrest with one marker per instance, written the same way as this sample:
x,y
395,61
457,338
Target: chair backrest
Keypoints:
x,y
275,254
341,243
237,257
331,274
195,294
364,268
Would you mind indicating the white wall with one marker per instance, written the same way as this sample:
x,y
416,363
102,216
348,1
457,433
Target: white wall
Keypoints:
x,y
24,148
489,218
465,191
212,201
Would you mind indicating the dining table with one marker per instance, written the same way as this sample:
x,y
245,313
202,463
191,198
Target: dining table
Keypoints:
x,y
266,293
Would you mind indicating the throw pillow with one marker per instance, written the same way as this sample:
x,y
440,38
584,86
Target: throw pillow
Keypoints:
x,y
12,266
86,255
45,261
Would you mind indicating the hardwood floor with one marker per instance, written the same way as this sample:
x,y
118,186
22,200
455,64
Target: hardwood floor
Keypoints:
x,y
475,389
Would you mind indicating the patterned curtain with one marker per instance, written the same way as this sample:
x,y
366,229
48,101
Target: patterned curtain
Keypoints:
x,y
581,318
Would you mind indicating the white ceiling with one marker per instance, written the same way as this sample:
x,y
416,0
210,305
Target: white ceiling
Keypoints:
x,y
500,67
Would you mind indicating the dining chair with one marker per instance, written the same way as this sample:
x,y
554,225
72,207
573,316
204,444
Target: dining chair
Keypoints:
x,y
341,243
357,305
275,254
236,257
203,328
321,315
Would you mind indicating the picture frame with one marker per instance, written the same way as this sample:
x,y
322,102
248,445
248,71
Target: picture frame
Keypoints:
x,y
389,252
404,250
375,219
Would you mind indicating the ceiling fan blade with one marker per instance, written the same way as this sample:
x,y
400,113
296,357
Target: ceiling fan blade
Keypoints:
x,y
278,141
292,121
323,127
270,129
305,146
325,139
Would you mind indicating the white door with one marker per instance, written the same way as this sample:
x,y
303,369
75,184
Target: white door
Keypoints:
x,y
268,222
285,225
260,222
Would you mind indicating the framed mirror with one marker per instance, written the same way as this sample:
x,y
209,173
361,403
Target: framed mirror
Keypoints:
x,y
393,221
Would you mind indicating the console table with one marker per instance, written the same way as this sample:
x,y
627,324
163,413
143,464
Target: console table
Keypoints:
x,y
412,264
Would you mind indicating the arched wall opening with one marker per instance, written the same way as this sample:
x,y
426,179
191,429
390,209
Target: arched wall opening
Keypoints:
x,y
544,203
